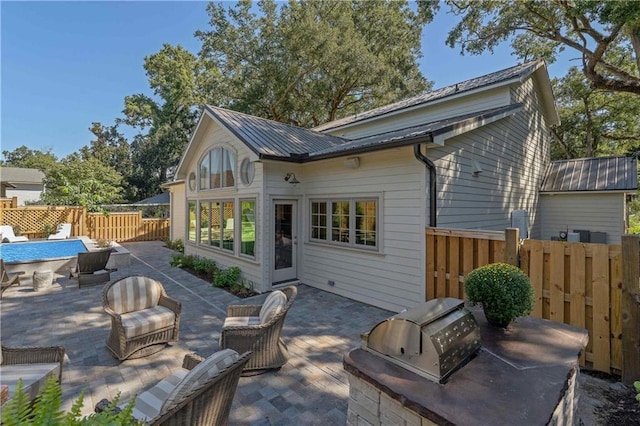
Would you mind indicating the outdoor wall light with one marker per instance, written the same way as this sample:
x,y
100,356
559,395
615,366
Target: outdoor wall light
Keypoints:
x,y
291,178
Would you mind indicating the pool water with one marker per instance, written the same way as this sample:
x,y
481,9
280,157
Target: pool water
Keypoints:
x,y
39,250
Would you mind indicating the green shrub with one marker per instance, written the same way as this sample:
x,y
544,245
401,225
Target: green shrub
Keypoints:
x,y
203,265
46,409
176,245
227,277
504,291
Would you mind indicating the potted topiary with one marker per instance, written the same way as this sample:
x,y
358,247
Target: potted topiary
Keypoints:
x,y
504,291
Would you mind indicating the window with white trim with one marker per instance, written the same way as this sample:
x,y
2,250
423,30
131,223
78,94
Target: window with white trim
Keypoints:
x,y
349,222
217,169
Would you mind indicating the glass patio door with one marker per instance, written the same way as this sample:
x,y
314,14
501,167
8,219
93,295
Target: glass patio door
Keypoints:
x,y
285,241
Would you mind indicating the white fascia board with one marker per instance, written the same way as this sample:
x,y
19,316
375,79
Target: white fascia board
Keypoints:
x,y
440,139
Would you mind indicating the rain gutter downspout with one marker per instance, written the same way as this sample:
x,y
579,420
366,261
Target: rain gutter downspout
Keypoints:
x,y
432,183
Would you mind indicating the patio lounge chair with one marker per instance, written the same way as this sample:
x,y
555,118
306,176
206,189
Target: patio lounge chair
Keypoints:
x,y
143,317
200,393
257,328
7,280
62,233
7,235
92,267
32,365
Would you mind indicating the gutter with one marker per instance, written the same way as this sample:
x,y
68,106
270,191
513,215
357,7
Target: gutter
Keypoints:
x,y
432,183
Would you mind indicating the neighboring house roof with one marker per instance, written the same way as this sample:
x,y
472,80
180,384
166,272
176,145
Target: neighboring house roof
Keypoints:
x,y
506,76
156,200
19,175
592,174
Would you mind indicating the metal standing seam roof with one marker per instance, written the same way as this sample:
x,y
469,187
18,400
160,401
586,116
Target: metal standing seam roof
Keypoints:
x,y
592,174
516,72
274,140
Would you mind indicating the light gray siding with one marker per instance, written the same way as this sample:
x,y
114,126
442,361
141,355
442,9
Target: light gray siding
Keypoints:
x,y
512,154
392,278
586,211
444,109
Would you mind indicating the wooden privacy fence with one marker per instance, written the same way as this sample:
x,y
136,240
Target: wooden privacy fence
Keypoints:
x,y
576,283
33,221
124,227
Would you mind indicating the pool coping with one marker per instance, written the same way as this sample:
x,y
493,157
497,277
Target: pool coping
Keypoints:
x,y
120,257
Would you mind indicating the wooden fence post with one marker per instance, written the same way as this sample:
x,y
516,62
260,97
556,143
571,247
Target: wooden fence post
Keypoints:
x,y
512,246
630,308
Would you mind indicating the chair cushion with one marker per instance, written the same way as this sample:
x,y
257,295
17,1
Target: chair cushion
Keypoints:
x,y
33,376
149,402
273,304
201,373
240,321
134,294
147,320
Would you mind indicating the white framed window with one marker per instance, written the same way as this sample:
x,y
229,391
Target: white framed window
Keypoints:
x,y
217,169
351,222
217,227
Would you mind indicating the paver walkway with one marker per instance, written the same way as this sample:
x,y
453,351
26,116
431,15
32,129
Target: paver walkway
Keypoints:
x,y
310,389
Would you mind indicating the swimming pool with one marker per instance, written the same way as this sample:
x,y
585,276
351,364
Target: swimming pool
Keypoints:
x,y
40,250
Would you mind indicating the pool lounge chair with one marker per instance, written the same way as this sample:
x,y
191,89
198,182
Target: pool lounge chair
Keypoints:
x,y
62,233
92,268
7,235
7,280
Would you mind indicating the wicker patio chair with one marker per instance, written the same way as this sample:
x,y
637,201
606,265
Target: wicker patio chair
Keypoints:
x,y
143,317
257,328
200,393
32,365
92,267
7,280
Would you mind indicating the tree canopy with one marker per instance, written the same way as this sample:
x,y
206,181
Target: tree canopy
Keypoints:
x,y
309,62
605,34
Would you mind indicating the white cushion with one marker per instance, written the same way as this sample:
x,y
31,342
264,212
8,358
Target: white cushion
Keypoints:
x,y
240,321
149,402
273,304
200,374
33,376
147,320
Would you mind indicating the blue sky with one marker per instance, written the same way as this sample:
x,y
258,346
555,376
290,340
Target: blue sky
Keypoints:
x,y
68,64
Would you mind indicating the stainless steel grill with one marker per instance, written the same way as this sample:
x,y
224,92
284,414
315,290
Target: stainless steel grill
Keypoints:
x,y
433,339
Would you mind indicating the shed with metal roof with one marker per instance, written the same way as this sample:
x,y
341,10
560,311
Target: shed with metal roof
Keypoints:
x,y
588,197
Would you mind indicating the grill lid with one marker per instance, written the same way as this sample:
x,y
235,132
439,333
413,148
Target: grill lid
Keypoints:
x,y
432,339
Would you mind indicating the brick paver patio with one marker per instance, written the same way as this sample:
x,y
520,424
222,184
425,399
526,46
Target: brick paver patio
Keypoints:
x,y
311,388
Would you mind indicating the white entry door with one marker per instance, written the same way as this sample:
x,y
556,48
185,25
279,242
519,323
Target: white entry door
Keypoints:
x,y
285,241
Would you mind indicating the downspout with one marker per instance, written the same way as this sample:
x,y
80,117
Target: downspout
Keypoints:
x,y
432,183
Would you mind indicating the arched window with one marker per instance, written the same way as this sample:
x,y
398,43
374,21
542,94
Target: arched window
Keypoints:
x,y
218,169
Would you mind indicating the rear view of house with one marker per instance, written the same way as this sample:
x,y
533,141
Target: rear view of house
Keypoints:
x,y
343,207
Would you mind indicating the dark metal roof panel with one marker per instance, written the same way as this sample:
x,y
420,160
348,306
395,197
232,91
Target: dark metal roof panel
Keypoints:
x,y
518,71
411,134
592,174
271,138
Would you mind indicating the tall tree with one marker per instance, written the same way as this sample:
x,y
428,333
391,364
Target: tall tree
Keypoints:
x,y
30,158
166,121
84,182
593,122
112,149
543,28
311,61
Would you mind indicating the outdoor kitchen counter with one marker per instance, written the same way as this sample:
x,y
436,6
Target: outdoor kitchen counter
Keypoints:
x,y
522,375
